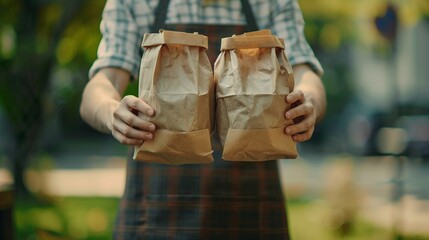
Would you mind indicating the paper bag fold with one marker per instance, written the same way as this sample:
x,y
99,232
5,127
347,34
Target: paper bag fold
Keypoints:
x,y
171,147
253,150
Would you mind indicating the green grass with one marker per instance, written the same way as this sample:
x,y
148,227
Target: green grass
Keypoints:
x,y
313,220
71,217
93,218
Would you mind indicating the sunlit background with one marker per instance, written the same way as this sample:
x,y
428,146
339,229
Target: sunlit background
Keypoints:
x,y
364,175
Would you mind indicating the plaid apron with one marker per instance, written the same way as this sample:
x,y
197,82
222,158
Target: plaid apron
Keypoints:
x,y
222,200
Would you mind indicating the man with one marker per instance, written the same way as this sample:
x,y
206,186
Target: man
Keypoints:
x,y
222,200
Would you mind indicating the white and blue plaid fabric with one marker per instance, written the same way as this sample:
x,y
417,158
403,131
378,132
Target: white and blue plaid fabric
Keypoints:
x,y
125,21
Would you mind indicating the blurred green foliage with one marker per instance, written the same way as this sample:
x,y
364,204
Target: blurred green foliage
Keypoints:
x,y
45,52
69,218
70,44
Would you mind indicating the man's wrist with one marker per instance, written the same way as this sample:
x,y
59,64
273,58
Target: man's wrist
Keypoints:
x,y
103,116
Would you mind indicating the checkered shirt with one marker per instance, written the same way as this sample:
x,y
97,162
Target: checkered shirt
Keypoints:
x,y
125,21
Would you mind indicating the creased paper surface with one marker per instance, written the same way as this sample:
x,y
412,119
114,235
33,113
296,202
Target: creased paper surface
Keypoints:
x,y
176,79
253,76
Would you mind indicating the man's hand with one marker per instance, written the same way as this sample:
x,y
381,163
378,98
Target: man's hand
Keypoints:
x,y
308,103
303,115
103,108
127,127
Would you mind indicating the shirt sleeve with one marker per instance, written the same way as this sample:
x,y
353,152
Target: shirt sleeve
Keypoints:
x,y
120,43
288,23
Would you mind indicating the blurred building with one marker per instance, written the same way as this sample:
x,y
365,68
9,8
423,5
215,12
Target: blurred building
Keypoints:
x,y
391,82
397,75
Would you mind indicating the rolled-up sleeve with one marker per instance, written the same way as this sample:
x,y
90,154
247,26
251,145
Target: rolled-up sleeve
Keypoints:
x,y
288,23
120,43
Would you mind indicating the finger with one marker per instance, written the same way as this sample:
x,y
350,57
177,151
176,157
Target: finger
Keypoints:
x,y
130,132
134,121
138,104
125,140
302,137
294,96
300,127
300,110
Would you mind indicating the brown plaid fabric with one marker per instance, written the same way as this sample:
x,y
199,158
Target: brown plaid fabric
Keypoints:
x,y
223,200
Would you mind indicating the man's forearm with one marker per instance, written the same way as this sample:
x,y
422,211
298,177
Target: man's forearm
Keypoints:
x,y
101,97
311,85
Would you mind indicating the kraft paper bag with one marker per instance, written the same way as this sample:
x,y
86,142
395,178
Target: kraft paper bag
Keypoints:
x,y
253,76
176,79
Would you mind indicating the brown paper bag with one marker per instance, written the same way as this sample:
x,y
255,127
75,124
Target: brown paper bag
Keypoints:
x,y
176,79
253,77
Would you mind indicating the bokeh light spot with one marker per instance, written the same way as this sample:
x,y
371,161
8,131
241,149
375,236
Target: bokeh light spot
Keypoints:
x,y
7,42
66,51
97,220
330,37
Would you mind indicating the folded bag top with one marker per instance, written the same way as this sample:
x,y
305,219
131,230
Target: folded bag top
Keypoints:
x,y
174,37
251,41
